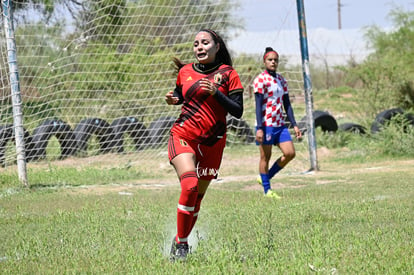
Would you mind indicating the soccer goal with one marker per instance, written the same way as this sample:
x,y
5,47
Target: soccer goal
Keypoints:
x,y
93,74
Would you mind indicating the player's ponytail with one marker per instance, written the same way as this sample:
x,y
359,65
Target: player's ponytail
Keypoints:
x,y
178,64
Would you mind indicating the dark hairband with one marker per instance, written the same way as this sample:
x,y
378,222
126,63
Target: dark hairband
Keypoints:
x,y
213,33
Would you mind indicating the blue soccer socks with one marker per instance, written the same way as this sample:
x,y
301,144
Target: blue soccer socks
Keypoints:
x,y
265,182
274,170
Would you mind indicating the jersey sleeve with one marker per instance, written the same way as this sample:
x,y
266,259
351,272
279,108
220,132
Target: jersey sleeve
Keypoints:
x,y
284,85
258,84
178,92
259,114
178,81
235,85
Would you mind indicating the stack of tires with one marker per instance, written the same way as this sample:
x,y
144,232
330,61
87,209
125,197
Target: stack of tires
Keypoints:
x,y
7,135
327,122
72,141
111,136
384,118
321,119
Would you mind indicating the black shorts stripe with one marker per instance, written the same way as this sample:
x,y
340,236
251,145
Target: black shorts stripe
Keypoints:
x,y
171,148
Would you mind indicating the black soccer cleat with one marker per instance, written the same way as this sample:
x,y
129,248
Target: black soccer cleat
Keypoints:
x,y
179,251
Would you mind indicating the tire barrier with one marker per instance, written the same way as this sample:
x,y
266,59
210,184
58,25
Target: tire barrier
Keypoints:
x,y
353,128
36,149
383,118
241,129
410,118
321,119
131,126
7,135
111,136
158,129
94,126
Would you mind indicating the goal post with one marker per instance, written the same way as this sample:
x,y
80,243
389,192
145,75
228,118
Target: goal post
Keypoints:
x,y
307,83
15,91
93,74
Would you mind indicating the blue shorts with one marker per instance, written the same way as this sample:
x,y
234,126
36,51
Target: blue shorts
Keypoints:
x,y
275,135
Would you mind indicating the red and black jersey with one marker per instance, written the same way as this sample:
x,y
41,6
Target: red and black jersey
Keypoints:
x,y
203,118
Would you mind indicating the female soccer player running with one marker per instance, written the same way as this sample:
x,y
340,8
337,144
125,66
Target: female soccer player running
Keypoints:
x,y
208,90
271,93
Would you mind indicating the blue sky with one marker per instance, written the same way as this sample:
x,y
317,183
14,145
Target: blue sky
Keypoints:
x,y
265,15
275,23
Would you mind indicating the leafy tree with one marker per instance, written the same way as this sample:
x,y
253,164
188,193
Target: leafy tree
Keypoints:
x,y
101,20
170,22
114,52
45,8
387,74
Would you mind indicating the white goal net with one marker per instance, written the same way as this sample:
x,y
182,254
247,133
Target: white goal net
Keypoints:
x,y
93,74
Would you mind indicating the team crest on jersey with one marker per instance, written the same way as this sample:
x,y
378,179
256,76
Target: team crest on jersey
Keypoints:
x,y
218,78
189,78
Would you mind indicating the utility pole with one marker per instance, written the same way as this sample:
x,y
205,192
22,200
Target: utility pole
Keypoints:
x,y
339,15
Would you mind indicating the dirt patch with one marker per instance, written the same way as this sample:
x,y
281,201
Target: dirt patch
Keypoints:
x,y
122,189
245,174
238,168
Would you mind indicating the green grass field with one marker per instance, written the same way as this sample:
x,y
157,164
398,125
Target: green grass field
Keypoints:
x,y
112,214
354,216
